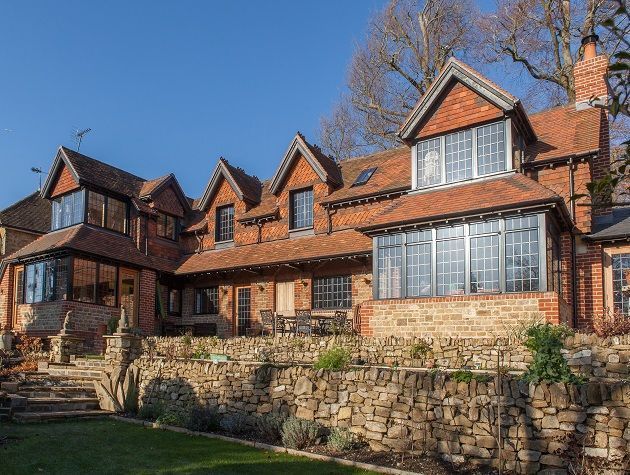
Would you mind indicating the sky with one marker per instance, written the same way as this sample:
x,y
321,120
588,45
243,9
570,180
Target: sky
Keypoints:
x,y
168,86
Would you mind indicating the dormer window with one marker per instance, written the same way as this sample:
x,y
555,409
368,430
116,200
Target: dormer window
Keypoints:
x,y
67,210
301,209
225,223
107,212
462,155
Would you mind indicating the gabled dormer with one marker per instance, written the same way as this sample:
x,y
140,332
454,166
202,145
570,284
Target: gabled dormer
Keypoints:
x,y
463,128
167,201
85,190
320,165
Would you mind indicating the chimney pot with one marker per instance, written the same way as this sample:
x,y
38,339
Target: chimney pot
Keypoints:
x,y
590,46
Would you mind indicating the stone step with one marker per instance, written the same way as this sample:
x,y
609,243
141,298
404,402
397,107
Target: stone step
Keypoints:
x,y
52,404
67,392
58,415
88,364
73,372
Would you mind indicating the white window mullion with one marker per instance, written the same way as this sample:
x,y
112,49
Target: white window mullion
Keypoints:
x,y
443,159
475,171
509,160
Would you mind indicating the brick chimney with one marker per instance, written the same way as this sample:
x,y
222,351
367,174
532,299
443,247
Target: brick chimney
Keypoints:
x,y
590,75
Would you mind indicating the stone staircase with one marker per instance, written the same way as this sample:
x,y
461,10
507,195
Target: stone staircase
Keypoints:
x,y
56,391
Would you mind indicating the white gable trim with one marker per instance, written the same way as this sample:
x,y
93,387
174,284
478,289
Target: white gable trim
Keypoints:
x,y
454,71
213,185
60,159
297,147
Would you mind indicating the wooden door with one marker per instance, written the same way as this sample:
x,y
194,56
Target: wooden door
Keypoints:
x,y
18,294
128,290
243,310
285,298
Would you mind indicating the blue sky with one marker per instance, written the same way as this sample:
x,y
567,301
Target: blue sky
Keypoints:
x,y
168,86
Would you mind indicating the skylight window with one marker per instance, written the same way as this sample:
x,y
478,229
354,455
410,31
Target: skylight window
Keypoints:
x,y
364,176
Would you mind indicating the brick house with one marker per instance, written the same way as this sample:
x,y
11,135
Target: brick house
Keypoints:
x,y
23,222
464,230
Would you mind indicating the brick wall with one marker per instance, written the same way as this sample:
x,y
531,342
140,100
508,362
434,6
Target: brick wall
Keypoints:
x,y
146,307
64,183
13,239
459,107
6,297
590,78
462,316
589,281
263,293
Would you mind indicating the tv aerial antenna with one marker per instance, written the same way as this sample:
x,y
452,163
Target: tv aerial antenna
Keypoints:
x,y
39,172
78,136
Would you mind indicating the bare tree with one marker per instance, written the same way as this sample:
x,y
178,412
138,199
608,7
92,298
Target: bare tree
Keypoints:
x,y
544,37
407,45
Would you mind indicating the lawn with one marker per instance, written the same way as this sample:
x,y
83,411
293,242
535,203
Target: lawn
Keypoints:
x,y
107,446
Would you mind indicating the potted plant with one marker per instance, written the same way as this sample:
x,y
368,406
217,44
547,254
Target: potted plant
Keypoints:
x,y
6,338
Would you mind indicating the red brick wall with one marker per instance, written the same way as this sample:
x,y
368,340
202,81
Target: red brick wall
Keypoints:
x,y
63,183
6,297
146,315
590,282
590,78
459,107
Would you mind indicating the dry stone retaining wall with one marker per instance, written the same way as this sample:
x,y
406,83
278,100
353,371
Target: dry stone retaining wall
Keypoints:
x,y
410,411
586,354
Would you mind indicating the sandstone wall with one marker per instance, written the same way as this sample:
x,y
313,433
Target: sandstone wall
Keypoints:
x,y
586,354
409,411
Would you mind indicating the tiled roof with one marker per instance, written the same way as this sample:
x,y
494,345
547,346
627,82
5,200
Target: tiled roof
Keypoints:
x,y
620,230
31,213
285,251
483,196
249,185
327,163
104,176
93,241
149,186
393,173
563,131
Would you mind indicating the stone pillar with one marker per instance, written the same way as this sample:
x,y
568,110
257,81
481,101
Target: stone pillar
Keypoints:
x,y
63,346
121,349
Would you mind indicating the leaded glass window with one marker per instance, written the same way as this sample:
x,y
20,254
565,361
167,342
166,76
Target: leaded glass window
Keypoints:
x,y
332,292
621,282
302,209
490,149
458,156
521,254
207,300
225,223
429,163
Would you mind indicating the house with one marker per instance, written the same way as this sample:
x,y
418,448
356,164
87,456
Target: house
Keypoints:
x,y
23,222
466,229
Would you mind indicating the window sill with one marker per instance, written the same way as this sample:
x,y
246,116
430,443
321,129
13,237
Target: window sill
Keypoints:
x,y
224,244
440,186
309,231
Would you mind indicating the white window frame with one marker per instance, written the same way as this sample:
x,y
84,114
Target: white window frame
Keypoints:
x,y
507,134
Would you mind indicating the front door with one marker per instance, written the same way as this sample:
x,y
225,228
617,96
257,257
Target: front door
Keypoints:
x,y
243,310
285,303
128,288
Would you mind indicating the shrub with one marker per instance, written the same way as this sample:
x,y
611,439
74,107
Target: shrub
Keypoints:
x,y
235,423
204,419
611,324
172,417
341,439
420,350
466,376
546,340
299,433
337,358
269,426
150,412
30,348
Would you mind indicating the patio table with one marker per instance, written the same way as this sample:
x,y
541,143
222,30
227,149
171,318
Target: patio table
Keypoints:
x,y
292,319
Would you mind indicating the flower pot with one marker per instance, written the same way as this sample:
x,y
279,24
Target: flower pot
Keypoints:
x,y
6,341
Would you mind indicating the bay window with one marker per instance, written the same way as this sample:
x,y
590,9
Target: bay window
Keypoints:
x,y
497,255
45,281
67,210
461,155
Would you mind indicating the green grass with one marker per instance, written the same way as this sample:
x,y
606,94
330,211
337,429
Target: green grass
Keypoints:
x,y
107,446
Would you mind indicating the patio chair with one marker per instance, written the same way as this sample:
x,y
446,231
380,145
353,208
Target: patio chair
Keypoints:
x,y
303,322
338,324
266,316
